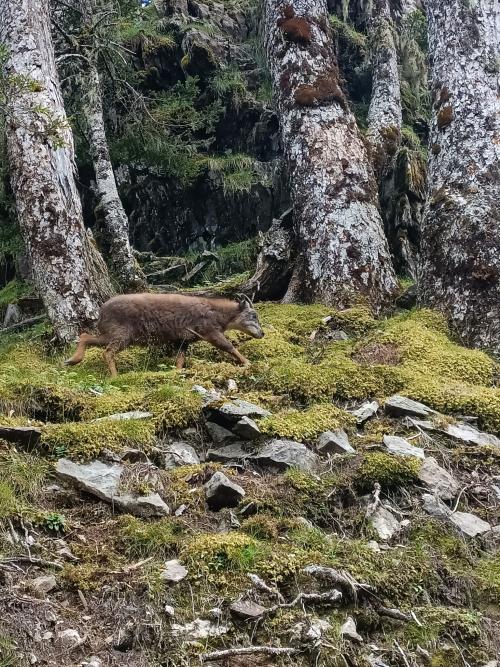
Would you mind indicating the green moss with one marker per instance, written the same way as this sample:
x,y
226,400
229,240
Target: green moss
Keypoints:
x,y
444,622
487,576
86,440
357,39
388,470
208,553
24,473
306,424
293,321
13,291
142,539
261,526
8,503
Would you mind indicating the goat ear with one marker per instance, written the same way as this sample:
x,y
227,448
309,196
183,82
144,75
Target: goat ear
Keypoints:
x,y
243,301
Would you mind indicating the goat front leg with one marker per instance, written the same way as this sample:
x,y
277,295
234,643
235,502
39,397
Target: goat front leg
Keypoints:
x,y
219,341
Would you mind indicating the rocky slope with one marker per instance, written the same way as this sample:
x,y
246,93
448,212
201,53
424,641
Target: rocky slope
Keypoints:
x,y
337,503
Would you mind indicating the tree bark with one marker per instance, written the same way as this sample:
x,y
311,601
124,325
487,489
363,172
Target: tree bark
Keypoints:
x,y
41,158
342,252
460,267
385,116
110,214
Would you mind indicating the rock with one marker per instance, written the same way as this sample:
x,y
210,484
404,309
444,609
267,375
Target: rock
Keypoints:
x,y
131,455
198,629
334,442
231,386
400,406
208,395
25,436
125,416
43,585
247,429
234,452
408,299
13,315
384,523
468,433
173,572
180,510
402,447
468,524
220,436
337,334
103,480
283,454
236,409
311,631
373,545
221,492
365,412
438,480
93,661
349,630
68,639
180,454
247,610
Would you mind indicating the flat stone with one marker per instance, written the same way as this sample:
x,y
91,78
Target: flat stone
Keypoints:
x,y
247,610
384,523
43,585
26,436
198,629
220,436
173,572
221,492
400,406
247,429
235,410
365,412
234,452
335,442
349,630
169,610
438,480
125,416
402,447
180,454
468,433
68,638
435,507
469,524
283,454
102,481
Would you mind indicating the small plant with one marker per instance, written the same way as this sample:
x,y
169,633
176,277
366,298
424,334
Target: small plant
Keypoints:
x,y
55,522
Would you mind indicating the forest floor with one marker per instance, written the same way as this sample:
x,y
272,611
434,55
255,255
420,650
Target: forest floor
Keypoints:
x,y
406,531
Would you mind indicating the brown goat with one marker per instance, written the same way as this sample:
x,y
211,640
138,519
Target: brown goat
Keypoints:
x,y
149,319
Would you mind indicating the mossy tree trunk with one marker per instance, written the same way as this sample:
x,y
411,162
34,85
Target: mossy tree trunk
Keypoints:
x,y
110,214
460,267
385,116
341,248
67,269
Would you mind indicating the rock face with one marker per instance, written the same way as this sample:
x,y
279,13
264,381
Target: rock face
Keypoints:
x,y
180,454
335,442
402,447
221,492
438,480
103,481
400,406
283,454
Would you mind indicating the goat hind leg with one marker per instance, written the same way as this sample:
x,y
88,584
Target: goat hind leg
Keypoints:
x,y
85,340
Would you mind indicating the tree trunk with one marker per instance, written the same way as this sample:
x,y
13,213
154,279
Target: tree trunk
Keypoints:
x,y
41,158
342,252
460,268
110,214
385,117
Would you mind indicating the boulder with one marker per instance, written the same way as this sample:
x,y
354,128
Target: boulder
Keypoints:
x,y
365,412
219,435
221,492
234,452
25,436
247,610
247,429
335,442
384,523
173,572
180,454
402,447
400,406
283,454
103,481
438,480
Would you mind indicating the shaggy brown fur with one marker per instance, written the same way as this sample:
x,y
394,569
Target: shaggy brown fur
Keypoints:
x,y
146,319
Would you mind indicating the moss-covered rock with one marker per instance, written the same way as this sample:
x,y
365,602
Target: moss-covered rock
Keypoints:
x,y
306,424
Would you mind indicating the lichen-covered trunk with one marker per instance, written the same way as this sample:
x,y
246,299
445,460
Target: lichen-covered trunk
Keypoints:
x,y
460,267
42,169
341,248
385,117
110,214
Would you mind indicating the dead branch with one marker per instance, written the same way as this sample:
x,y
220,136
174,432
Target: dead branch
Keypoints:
x,y
262,586
370,510
248,650
329,596
395,613
340,578
31,561
23,325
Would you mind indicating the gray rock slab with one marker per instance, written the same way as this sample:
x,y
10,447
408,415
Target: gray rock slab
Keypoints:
x,y
221,492
43,585
466,523
402,447
174,572
439,481
235,452
385,523
335,442
220,436
349,631
102,481
401,406
180,454
26,436
468,433
365,412
238,408
283,454
247,429
247,610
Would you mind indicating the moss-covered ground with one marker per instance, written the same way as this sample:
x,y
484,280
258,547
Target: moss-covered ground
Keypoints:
x,y
309,383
